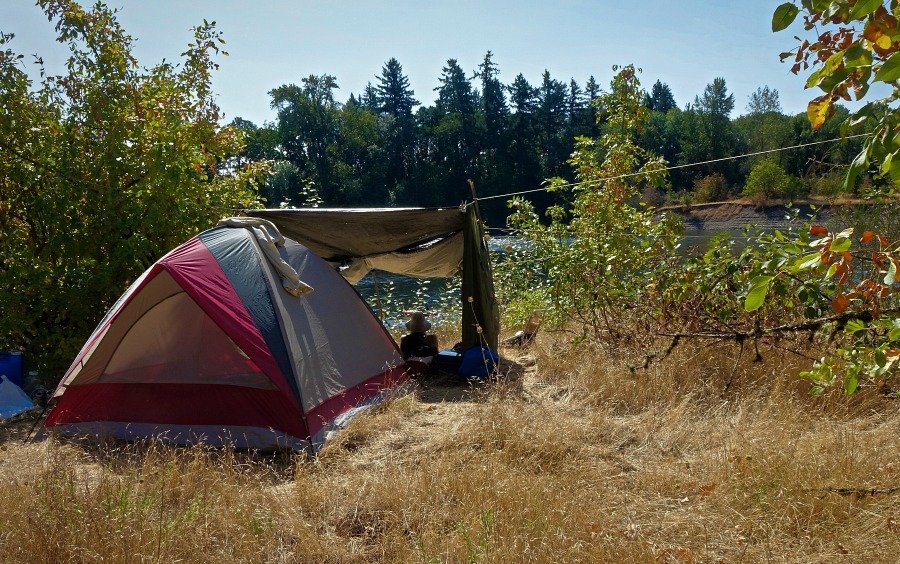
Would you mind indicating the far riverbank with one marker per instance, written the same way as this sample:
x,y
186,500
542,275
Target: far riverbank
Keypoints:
x,y
733,217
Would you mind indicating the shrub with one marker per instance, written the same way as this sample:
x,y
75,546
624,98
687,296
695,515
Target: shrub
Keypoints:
x,y
768,181
829,184
712,188
679,198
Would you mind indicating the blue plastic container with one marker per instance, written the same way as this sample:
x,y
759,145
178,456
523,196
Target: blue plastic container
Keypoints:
x,y
11,366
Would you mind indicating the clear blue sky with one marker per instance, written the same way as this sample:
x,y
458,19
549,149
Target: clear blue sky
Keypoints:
x,y
684,43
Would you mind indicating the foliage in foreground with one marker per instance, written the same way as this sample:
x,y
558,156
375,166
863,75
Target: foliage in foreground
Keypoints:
x,y
837,290
593,262
608,269
102,170
855,45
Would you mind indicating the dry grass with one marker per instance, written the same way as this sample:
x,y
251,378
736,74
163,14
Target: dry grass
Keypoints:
x,y
572,457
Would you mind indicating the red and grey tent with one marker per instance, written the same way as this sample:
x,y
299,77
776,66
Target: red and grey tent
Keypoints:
x,y
217,342
208,346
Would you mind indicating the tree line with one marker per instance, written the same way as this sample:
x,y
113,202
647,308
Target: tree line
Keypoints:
x,y
383,147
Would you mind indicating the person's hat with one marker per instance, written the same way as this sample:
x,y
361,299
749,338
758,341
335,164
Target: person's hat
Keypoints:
x,y
417,323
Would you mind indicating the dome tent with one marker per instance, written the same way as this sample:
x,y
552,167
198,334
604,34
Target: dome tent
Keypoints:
x,y
209,345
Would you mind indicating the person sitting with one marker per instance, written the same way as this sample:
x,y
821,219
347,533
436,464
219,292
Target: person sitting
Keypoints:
x,y
418,347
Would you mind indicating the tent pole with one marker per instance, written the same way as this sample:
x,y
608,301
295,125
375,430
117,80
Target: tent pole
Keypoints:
x,y
475,200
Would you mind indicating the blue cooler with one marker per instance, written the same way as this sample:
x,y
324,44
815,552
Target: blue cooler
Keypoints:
x,y
11,366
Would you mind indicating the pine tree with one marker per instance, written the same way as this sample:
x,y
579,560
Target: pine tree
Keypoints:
x,y
394,101
661,98
592,89
493,100
392,94
369,98
714,109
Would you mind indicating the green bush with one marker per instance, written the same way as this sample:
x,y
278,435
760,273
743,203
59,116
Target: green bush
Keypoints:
x,y
768,181
679,198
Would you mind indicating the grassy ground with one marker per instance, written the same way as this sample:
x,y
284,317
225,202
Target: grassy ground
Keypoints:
x,y
571,457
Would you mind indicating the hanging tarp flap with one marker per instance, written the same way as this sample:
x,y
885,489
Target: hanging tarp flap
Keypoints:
x,y
480,308
440,259
400,240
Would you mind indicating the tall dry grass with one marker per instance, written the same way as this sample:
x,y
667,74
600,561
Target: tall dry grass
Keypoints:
x,y
572,457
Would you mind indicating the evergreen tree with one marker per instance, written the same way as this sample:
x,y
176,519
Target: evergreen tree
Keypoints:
x,y
369,98
715,101
524,146
522,96
455,133
575,101
661,98
494,162
592,89
718,137
392,94
493,101
394,100
455,94
555,149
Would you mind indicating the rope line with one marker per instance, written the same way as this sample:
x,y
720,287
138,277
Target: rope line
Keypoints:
x,y
674,167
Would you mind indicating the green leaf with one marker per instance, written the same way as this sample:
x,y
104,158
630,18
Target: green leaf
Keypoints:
x,y
887,164
857,167
806,262
823,77
851,382
784,16
894,334
890,70
863,8
840,244
857,56
891,275
855,326
814,77
759,287
829,82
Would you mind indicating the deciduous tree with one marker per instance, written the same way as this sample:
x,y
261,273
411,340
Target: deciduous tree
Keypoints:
x,y
102,170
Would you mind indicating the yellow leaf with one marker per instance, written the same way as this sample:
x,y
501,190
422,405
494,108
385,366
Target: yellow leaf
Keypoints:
x,y
818,111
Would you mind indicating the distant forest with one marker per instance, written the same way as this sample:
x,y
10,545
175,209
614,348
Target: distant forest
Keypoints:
x,y
383,148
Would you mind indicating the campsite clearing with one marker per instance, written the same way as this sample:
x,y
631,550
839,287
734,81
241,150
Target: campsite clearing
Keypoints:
x,y
560,461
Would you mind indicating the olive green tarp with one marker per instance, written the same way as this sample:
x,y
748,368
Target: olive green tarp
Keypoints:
x,y
420,242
